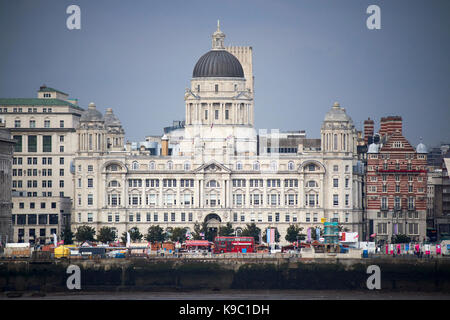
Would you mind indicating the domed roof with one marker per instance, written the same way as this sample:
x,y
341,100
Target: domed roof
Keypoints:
x,y
111,119
218,63
337,114
91,114
421,148
373,148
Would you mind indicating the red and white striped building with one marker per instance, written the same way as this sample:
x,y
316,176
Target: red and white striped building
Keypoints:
x,y
396,182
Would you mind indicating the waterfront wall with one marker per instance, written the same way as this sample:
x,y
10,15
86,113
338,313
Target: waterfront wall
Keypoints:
x,y
211,274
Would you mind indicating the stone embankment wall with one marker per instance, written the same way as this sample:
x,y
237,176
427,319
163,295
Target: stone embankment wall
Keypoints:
x,y
189,274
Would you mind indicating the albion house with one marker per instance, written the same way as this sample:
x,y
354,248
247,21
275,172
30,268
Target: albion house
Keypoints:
x,y
214,167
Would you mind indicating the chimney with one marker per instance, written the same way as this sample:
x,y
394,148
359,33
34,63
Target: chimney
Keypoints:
x,y
389,125
368,130
164,146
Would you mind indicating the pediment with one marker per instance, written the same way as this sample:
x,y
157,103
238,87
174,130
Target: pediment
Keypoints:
x,y
189,95
212,167
243,95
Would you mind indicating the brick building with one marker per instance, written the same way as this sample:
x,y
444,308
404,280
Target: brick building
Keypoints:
x,y
396,181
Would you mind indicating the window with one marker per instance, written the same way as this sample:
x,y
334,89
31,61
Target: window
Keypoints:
x,y
335,183
32,123
311,167
61,148
91,168
61,160
216,114
46,123
135,165
227,115
61,138
16,123
61,123
346,182
90,183
61,172
290,166
187,166
18,144
335,200
151,165
216,88
90,217
90,200
32,143
238,166
335,168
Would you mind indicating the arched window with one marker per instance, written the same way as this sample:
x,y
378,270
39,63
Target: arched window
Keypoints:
x,y
151,165
256,166
311,167
113,184
112,167
290,165
213,184
135,165
238,165
312,184
273,166
169,165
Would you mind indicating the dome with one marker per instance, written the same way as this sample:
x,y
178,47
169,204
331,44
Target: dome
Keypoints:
x,y
421,148
91,114
111,119
218,63
337,114
373,148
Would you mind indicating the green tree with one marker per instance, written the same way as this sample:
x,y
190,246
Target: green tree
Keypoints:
x,y
178,234
294,233
67,235
401,238
135,235
106,234
203,228
251,230
227,230
155,234
85,233
277,236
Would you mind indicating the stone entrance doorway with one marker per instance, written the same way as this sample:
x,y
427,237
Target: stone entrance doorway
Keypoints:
x,y
213,222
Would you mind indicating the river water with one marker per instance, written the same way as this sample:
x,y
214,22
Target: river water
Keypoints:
x,y
243,295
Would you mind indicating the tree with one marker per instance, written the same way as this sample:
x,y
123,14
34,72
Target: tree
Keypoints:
x,y
135,235
277,235
401,238
293,233
155,234
106,234
251,230
178,234
67,235
85,233
197,230
227,230
203,228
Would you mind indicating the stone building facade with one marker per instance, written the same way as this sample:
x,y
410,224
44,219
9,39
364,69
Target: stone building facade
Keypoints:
x,y
44,131
215,172
6,152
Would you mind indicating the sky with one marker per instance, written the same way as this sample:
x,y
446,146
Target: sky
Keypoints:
x,y
137,57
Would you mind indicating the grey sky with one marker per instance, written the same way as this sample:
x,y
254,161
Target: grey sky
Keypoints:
x,y
137,57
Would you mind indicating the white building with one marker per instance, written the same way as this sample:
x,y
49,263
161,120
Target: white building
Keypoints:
x,y
46,142
215,172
